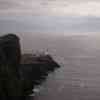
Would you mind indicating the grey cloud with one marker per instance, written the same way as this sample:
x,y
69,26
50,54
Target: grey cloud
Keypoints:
x,y
6,4
18,4
46,7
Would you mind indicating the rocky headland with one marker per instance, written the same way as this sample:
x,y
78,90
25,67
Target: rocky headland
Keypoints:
x,y
20,73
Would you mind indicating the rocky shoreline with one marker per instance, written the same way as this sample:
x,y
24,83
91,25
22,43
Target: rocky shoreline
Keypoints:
x,y
20,73
35,69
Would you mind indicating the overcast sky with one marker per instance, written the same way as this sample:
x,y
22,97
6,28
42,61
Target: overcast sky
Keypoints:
x,y
51,7
50,16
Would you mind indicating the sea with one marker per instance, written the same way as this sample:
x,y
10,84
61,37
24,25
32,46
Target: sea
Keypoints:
x,y
79,75
78,53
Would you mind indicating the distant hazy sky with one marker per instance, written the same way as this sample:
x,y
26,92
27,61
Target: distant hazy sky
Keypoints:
x,y
50,16
51,7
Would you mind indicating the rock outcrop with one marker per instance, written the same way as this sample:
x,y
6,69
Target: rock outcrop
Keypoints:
x,y
10,56
10,48
20,73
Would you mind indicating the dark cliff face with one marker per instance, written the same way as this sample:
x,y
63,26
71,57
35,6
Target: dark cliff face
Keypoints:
x,y
10,44
10,53
20,73
9,66
37,68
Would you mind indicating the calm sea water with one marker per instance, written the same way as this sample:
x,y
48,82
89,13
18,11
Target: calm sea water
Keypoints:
x,y
79,75
79,55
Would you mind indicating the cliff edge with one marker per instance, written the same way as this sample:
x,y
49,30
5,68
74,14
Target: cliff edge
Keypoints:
x,y
20,73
